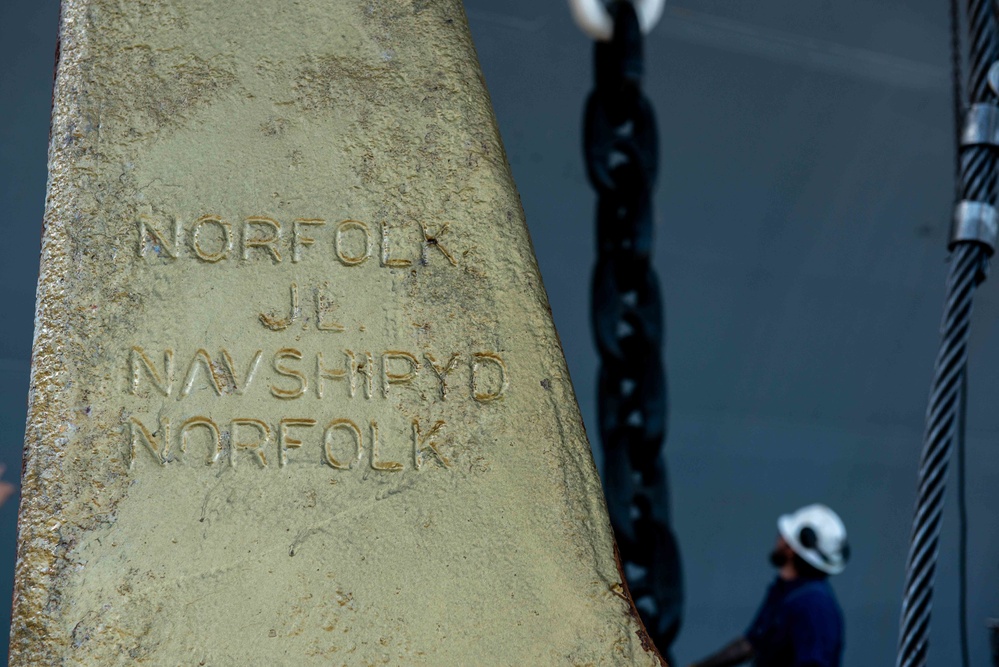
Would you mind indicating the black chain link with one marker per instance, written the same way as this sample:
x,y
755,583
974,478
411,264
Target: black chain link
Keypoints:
x,y
622,152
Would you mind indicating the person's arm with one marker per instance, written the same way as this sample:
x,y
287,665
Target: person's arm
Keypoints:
x,y
736,653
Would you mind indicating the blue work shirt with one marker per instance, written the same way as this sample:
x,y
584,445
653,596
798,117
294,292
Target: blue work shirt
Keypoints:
x,y
799,624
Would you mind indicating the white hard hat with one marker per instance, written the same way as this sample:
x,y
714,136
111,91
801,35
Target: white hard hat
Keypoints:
x,y
818,535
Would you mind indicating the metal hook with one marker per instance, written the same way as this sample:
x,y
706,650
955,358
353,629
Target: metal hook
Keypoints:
x,y
593,19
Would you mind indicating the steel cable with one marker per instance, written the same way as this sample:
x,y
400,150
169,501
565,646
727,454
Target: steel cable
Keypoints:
x,y
968,268
962,514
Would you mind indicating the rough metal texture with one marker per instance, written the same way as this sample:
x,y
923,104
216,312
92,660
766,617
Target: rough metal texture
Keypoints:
x,y
296,394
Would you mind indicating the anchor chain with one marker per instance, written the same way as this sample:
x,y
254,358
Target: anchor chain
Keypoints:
x,y
621,151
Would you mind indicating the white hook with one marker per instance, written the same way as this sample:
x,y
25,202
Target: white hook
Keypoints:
x,y
592,17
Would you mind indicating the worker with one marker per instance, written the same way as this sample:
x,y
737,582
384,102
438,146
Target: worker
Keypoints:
x,y
799,623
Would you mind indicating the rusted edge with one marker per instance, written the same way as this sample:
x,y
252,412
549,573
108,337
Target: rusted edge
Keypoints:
x,y
643,635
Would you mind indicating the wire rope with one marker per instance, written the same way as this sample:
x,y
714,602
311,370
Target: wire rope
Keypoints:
x,y
944,415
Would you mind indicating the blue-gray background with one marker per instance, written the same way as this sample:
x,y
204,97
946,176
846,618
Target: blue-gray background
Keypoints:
x,y
802,215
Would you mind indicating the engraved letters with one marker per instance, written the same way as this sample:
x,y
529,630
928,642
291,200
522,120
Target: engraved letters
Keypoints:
x,y
275,323
257,446
341,244
213,406
139,362
353,433
285,439
282,369
262,239
271,234
291,374
323,305
222,240
481,361
342,444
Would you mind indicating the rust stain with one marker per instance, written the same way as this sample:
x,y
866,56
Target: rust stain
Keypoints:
x,y
625,593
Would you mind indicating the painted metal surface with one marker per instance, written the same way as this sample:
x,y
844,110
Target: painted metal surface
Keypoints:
x,y
296,393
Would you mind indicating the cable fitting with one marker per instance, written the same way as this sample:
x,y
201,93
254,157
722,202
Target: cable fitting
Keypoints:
x,y
975,222
981,126
993,78
593,18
